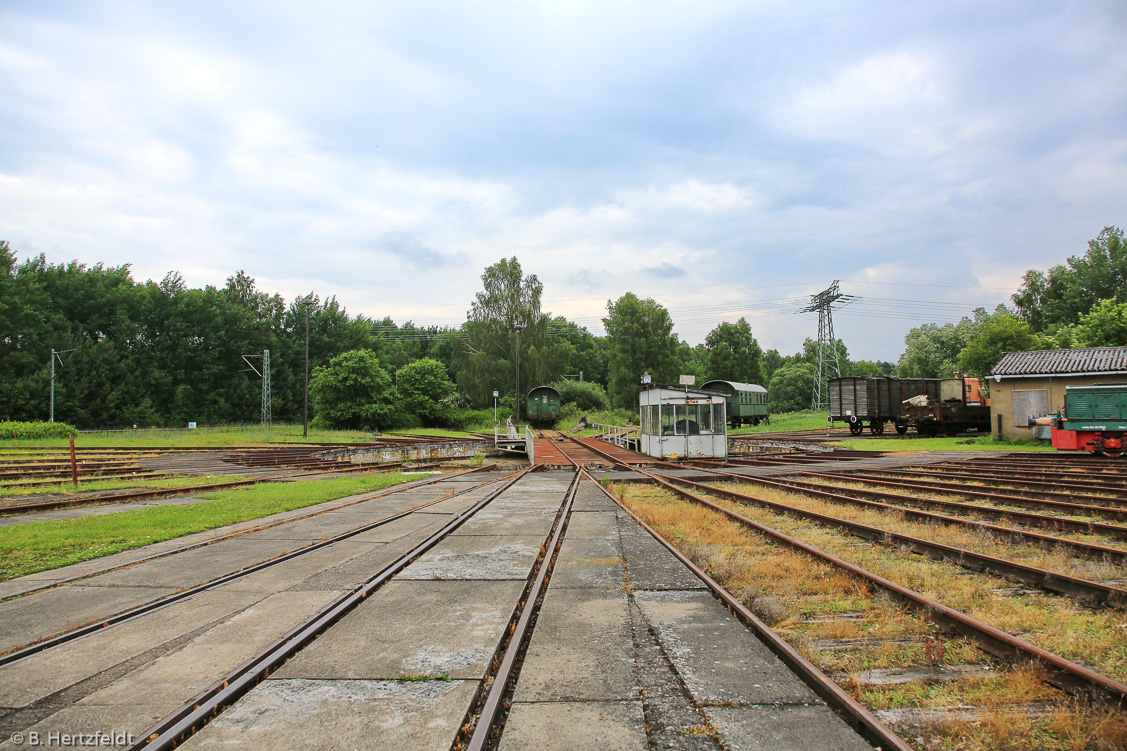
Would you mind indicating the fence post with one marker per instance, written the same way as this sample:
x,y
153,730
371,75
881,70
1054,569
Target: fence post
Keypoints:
x,y
73,461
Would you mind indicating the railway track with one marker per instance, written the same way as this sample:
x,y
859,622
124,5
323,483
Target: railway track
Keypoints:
x,y
1074,677
499,701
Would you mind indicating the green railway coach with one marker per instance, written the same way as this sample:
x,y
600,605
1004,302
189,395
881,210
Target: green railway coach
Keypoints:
x,y
747,402
543,405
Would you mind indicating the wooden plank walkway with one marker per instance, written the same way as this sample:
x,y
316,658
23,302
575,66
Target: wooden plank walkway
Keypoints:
x,y
555,453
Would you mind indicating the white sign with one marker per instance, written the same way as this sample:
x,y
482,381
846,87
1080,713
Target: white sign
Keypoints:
x,y
191,426
688,380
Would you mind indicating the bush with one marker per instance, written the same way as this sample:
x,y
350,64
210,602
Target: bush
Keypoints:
x,y
29,430
585,395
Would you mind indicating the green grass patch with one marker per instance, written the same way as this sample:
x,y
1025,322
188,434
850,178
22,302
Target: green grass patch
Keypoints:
x,y
66,487
786,421
940,443
38,546
436,432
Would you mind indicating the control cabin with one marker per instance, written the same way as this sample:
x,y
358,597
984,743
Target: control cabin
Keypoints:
x,y
682,422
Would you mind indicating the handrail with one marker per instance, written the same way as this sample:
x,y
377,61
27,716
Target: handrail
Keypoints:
x,y
619,435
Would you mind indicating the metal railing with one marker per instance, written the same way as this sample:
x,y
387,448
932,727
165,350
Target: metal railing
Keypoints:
x,y
619,435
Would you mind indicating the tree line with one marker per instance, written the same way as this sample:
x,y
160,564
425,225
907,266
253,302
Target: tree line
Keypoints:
x,y
1081,303
163,354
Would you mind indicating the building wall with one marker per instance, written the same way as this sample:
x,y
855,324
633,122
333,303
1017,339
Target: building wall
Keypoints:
x,y
1002,399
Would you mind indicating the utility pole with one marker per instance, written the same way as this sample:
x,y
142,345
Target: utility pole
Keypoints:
x,y
264,374
305,412
54,354
518,327
822,304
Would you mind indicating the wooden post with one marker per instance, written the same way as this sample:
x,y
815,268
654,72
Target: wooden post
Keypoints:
x,y
73,462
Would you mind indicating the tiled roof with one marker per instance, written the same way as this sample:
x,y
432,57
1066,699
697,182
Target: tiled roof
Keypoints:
x,y
1062,361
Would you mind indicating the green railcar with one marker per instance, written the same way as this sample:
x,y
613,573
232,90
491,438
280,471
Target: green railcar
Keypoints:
x,y
543,405
747,402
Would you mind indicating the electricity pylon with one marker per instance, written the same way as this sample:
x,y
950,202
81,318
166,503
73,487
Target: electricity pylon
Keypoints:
x,y
828,363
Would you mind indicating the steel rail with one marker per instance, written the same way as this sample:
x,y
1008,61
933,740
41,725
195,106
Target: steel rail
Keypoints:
x,y
1064,673
64,503
1090,550
246,531
1003,499
848,708
1033,493
1019,478
489,725
205,706
140,495
1051,581
22,653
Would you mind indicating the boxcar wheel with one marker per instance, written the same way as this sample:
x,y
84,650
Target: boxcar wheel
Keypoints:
x,y
856,428
876,427
901,428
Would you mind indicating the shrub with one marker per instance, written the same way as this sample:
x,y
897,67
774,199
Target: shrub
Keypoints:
x,y
585,395
29,430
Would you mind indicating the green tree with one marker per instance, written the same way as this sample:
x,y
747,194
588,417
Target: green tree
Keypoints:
x,y
1000,334
585,395
733,353
869,368
641,340
792,387
1061,296
1105,325
772,361
485,355
353,392
425,390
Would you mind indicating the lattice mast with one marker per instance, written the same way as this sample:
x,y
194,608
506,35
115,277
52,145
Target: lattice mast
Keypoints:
x,y
828,363
266,397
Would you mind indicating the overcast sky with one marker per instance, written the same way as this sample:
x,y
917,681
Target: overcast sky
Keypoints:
x,y
724,158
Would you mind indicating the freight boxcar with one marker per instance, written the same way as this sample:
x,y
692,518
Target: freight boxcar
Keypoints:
x,y
543,405
1094,419
944,405
747,402
866,400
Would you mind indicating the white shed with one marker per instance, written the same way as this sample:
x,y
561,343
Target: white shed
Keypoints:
x,y
678,421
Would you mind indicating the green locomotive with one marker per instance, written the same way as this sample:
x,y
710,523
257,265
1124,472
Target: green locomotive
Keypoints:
x,y
1094,419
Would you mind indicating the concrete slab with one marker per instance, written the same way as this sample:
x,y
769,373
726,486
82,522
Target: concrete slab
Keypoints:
x,y
784,728
720,661
413,628
592,525
648,563
319,527
176,677
125,724
586,562
464,557
30,619
402,527
289,574
575,726
581,650
196,566
674,721
48,672
592,498
286,714
510,519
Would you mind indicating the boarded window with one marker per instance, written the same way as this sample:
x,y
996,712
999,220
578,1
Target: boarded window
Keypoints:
x,y
1028,405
